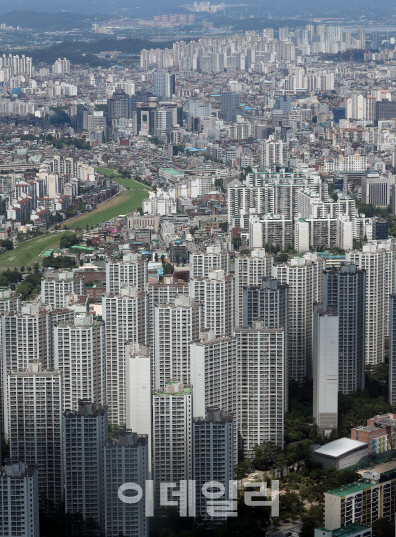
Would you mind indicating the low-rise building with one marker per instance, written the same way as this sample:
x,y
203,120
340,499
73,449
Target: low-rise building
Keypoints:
x,y
341,454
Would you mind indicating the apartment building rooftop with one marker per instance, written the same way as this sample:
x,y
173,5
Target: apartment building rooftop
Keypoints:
x,y
351,529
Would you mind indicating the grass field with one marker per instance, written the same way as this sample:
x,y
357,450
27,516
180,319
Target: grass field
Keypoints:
x,y
124,203
28,252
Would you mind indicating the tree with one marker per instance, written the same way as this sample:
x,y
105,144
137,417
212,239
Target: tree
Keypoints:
x,y
242,469
236,241
384,527
265,455
22,269
36,266
29,268
156,257
7,244
5,449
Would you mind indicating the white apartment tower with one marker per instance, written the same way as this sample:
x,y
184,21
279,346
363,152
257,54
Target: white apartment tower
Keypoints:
x,y
139,392
85,433
214,258
271,154
19,499
79,352
9,301
176,326
163,293
216,293
172,435
125,461
34,415
126,319
325,368
392,351
213,458
25,338
61,66
262,379
249,270
132,270
56,285
214,377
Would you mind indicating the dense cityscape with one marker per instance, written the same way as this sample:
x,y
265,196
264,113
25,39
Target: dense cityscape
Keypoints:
x,y
198,275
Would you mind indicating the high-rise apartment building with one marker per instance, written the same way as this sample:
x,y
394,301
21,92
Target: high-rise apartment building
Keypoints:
x,y
299,275
214,373
34,423
61,66
325,368
126,319
56,285
214,377
216,293
125,460
19,499
272,154
249,270
213,459
163,293
132,270
392,351
26,337
262,378
201,263
85,433
9,301
345,291
267,302
378,260
164,85
363,502
79,352
176,326
138,388
172,436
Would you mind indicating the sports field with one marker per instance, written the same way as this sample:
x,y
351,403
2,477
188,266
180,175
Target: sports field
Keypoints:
x,y
28,252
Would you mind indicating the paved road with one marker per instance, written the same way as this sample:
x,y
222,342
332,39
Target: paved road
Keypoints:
x,y
293,529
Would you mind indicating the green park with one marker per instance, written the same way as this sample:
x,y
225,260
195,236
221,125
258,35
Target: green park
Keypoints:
x,y
28,252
